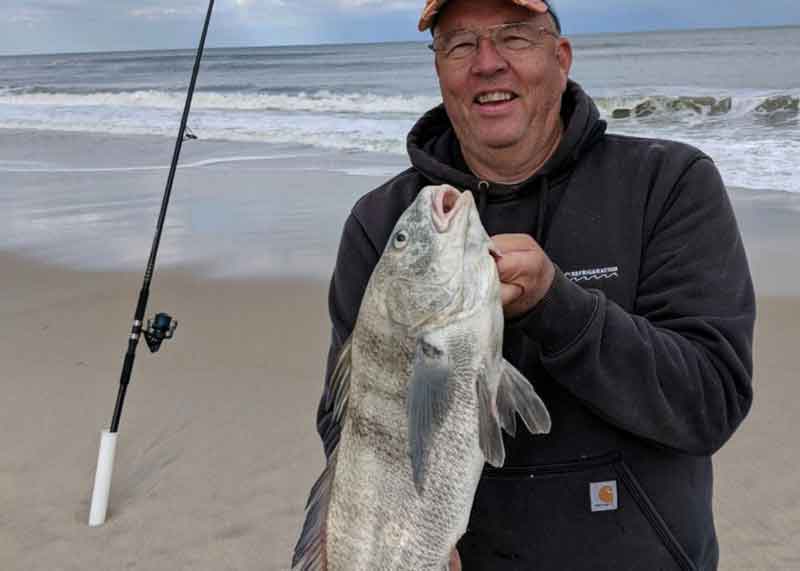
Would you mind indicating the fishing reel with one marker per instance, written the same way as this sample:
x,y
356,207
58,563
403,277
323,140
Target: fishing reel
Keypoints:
x,y
158,329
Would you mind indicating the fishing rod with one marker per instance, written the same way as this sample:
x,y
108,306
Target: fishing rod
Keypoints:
x,y
158,329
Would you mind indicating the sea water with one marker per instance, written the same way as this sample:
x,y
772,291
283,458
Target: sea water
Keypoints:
x,y
733,93
289,137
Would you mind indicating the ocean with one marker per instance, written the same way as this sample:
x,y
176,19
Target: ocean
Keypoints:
x,y
733,93
290,137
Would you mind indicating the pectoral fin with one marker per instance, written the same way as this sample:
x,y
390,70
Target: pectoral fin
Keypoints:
x,y
427,400
516,395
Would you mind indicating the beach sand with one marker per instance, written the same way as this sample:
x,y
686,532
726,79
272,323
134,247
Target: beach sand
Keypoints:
x,y
217,448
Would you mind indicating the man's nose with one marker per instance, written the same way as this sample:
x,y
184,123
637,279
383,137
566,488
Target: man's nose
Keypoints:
x,y
488,60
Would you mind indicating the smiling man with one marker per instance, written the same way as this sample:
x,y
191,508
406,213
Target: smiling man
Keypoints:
x,y
626,291
506,117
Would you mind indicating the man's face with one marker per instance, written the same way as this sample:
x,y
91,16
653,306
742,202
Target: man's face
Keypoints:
x,y
535,79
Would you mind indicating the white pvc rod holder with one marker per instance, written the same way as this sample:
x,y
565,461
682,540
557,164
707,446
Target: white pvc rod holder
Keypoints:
x,y
102,478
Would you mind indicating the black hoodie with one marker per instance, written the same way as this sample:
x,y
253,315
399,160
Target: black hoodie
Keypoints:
x,y
641,349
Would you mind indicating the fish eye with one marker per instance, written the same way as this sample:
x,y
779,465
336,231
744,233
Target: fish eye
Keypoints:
x,y
400,240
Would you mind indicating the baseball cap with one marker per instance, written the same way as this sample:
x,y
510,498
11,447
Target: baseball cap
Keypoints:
x,y
432,8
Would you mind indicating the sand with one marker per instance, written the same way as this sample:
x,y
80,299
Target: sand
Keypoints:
x,y
756,485
217,448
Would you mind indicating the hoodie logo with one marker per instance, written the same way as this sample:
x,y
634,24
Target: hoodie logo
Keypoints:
x,y
603,496
593,274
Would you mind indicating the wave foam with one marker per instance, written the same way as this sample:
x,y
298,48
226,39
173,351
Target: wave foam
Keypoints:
x,y
318,102
20,167
754,140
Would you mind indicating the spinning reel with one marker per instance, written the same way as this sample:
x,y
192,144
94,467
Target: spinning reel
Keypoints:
x,y
159,328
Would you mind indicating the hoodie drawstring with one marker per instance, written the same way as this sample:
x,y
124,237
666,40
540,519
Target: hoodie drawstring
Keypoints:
x,y
482,196
544,191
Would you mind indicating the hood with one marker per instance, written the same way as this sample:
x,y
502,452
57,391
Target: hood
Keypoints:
x,y
434,150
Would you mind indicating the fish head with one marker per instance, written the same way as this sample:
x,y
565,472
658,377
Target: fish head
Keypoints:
x,y
437,263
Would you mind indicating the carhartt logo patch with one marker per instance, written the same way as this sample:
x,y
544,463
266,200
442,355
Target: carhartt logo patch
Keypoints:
x,y
593,274
603,496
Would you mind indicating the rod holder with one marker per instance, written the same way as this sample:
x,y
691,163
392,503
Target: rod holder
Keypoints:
x,y
102,478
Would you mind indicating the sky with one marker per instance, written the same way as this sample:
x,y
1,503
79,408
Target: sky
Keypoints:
x,y
50,26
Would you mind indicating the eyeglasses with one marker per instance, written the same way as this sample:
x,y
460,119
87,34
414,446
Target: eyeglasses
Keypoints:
x,y
508,39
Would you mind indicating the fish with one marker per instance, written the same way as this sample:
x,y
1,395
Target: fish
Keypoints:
x,y
419,395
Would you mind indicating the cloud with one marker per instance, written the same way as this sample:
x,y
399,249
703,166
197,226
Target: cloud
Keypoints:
x,y
42,26
154,12
260,4
56,5
379,4
23,16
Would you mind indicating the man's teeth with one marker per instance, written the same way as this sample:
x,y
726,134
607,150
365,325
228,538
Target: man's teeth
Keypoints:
x,y
494,97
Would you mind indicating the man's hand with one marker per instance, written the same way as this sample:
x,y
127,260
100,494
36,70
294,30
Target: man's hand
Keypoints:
x,y
526,272
455,560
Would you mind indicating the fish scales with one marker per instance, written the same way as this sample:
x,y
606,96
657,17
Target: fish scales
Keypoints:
x,y
415,399
388,508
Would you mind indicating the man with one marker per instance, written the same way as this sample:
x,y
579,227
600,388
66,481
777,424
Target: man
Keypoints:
x,y
626,291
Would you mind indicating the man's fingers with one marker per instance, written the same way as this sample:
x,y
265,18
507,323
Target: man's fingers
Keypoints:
x,y
509,293
514,242
505,267
455,560
524,270
512,266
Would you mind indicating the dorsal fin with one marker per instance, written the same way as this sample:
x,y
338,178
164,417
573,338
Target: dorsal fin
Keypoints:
x,y
309,553
339,384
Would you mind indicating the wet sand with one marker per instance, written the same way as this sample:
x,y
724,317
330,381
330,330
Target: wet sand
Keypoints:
x,y
237,209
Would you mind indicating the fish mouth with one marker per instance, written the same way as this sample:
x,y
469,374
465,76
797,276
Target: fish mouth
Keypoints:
x,y
447,203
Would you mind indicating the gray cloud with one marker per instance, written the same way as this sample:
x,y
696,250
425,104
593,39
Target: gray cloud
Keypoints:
x,y
28,26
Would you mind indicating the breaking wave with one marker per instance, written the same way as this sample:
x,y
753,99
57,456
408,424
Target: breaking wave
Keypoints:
x,y
732,106
243,98
317,102
751,136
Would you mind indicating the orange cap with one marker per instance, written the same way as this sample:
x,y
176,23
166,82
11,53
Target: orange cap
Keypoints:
x,y
432,8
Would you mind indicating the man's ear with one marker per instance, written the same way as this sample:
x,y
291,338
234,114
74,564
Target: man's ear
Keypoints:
x,y
564,55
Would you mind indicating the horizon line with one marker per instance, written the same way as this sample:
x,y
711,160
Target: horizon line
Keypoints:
x,y
410,41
